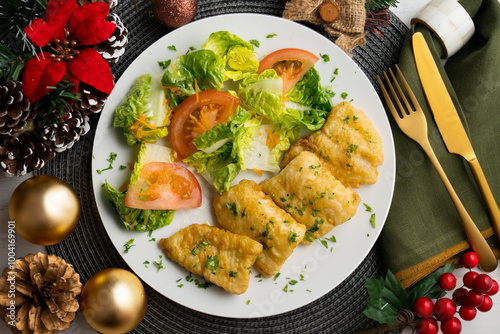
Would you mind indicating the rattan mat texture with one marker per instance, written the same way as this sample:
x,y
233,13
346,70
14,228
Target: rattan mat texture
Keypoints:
x,y
90,250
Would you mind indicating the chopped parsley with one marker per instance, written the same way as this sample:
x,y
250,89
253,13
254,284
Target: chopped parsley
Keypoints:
x,y
232,207
326,58
276,276
255,42
111,159
204,243
351,149
292,237
248,301
129,244
164,64
293,282
233,273
159,265
145,263
212,263
372,220
271,35
344,95
368,208
172,47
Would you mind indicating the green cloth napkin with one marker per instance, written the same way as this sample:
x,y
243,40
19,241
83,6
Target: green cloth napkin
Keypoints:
x,y
423,230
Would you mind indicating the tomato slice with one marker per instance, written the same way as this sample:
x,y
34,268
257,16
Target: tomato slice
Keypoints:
x,y
164,186
290,64
198,113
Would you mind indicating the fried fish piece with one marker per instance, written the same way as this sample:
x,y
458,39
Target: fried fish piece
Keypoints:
x,y
246,209
307,190
221,257
348,145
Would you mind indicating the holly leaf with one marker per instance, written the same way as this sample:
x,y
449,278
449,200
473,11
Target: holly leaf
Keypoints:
x,y
428,286
88,23
89,67
394,292
377,307
40,73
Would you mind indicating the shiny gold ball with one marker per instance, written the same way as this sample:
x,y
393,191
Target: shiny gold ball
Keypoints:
x,y
113,301
45,210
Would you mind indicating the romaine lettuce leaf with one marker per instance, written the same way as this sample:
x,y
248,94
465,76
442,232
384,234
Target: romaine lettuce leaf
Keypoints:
x,y
137,219
151,153
144,103
203,65
238,55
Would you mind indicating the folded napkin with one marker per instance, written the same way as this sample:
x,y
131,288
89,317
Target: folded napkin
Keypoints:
x,y
423,230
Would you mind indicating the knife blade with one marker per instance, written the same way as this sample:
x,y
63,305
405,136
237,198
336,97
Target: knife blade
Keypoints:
x,y
448,121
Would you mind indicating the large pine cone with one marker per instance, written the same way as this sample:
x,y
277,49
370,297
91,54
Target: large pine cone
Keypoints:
x,y
62,136
111,3
92,100
24,154
14,109
44,290
114,47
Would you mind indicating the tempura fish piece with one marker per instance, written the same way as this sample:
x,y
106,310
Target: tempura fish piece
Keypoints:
x,y
307,190
246,209
348,145
221,257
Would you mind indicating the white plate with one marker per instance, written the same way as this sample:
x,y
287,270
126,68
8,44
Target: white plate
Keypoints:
x,y
321,269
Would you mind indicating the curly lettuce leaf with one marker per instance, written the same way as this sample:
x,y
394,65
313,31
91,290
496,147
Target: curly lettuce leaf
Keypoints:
x,y
202,68
151,153
137,219
240,60
144,103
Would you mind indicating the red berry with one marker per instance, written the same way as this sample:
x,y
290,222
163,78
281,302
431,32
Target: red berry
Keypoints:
x,y
486,305
451,326
423,307
483,283
427,326
445,308
459,294
469,279
474,298
447,281
494,289
467,312
470,260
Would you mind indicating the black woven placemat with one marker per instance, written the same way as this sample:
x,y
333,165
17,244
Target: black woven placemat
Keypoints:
x,y
89,248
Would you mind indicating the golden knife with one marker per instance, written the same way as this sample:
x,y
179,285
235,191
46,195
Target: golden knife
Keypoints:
x,y
448,121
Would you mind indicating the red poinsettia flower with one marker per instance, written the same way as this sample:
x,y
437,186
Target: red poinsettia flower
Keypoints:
x,y
68,29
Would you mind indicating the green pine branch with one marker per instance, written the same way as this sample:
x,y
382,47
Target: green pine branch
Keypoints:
x,y
372,5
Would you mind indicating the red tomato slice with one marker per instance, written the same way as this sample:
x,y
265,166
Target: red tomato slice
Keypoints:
x,y
164,186
197,114
290,64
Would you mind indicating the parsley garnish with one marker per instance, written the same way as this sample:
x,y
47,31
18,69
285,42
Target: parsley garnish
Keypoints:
x,y
276,276
372,220
233,273
159,265
326,58
368,208
271,35
292,237
112,157
344,95
212,263
351,149
232,207
172,47
128,245
164,64
255,42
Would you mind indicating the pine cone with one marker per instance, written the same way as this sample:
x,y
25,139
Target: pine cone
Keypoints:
x,y
92,100
14,109
24,154
114,47
62,136
111,3
45,291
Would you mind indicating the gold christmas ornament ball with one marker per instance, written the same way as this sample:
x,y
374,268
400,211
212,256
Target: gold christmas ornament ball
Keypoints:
x,y
174,13
113,301
45,210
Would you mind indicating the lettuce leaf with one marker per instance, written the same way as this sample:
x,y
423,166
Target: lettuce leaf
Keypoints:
x,y
238,55
203,68
146,97
151,153
137,219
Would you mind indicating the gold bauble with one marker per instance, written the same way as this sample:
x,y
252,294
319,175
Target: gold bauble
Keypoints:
x,y
45,210
113,301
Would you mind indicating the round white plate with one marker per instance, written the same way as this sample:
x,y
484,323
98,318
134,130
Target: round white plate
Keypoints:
x,y
316,269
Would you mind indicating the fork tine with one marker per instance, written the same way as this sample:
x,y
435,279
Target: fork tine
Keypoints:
x,y
388,99
409,108
402,111
408,89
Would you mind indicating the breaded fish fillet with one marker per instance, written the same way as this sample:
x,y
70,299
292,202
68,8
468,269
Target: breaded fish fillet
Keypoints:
x,y
246,209
221,257
348,145
311,194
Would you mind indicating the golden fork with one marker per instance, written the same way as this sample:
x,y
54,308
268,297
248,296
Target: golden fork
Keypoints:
x,y
413,124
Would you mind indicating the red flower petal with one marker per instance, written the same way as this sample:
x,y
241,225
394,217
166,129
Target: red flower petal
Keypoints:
x,y
92,69
39,32
40,72
88,23
59,11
